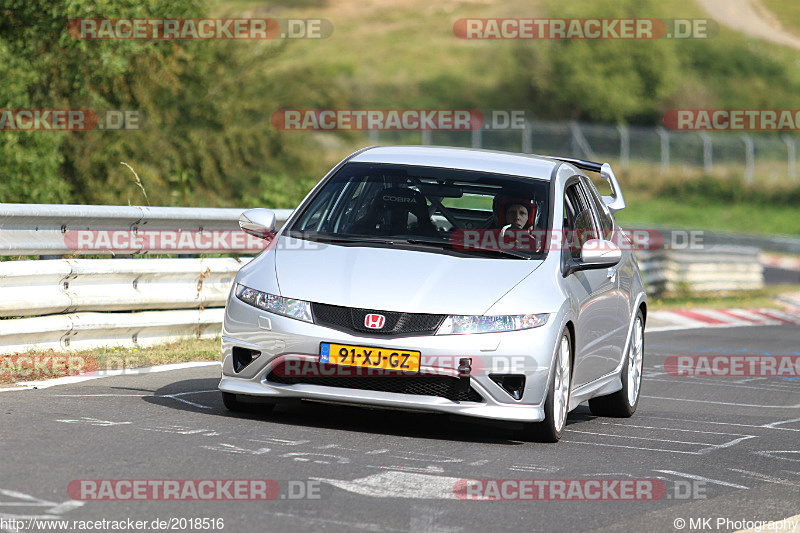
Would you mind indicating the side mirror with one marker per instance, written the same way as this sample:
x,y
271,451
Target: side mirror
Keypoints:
x,y
258,222
597,253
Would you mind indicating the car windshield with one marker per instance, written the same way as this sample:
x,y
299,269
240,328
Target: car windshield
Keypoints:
x,y
444,210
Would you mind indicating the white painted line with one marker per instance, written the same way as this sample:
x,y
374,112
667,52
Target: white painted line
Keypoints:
x,y
725,403
116,395
285,442
533,468
628,447
734,442
639,438
708,449
430,469
773,425
701,478
182,430
675,429
26,500
230,448
771,456
171,396
69,380
175,397
764,477
779,385
763,426
89,421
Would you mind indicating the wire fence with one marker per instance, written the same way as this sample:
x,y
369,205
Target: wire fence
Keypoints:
x,y
751,154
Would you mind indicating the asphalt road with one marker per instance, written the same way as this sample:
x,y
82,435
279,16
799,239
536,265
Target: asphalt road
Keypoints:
x,y
722,447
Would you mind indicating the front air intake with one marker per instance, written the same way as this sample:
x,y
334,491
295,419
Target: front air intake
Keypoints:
x,y
243,357
513,384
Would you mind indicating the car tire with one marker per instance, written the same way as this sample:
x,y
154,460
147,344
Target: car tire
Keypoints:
x,y
623,403
232,403
556,405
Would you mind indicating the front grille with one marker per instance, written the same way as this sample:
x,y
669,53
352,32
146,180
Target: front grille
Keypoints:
x,y
351,320
441,386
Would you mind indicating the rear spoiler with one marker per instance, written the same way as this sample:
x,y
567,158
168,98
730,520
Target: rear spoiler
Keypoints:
x,y
615,202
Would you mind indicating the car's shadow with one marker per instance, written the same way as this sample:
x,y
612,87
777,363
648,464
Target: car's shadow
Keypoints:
x,y
202,397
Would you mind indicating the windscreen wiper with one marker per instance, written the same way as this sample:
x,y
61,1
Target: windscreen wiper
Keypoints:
x,y
448,245
352,239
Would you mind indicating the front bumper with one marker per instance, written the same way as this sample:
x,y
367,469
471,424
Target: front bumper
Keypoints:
x,y
280,340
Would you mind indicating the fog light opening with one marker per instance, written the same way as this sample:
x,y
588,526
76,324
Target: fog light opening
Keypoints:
x,y
513,384
243,357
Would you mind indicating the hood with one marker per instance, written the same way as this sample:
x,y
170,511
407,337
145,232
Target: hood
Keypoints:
x,y
395,279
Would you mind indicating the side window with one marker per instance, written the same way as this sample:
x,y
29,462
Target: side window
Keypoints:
x,y
603,214
578,221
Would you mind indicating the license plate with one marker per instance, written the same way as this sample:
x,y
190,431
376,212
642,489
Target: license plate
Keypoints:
x,y
369,357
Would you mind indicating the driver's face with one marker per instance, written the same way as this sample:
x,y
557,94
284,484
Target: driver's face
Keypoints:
x,y
517,214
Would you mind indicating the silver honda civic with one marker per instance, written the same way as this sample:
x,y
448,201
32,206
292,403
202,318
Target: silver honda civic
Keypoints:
x,y
468,282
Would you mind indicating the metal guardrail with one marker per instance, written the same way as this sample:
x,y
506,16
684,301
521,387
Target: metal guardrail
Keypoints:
x,y
76,331
34,229
68,304
720,269
31,288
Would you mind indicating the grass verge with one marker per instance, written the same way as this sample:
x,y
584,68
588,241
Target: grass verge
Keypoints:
x,y
52,364
760,298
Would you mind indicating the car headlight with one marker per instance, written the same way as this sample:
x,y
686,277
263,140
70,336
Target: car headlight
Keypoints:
x,y
279,305
456,325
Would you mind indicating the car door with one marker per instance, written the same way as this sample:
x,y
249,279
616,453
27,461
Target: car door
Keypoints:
x,y
592,291
622,274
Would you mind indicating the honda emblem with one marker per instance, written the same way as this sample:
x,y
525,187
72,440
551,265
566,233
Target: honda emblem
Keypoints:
x,y
374,321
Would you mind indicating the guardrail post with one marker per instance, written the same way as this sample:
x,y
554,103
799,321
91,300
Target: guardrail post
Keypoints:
x,y
426,137
373,137
477,138
749,158
791,152
527,138
624,146
708,153
664,136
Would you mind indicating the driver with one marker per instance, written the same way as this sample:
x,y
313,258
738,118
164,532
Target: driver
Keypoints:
x,y
516,215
